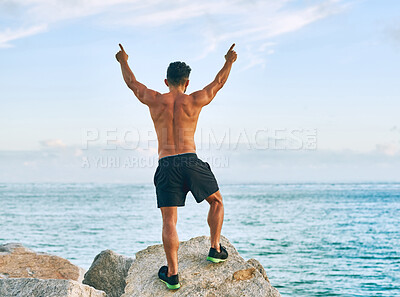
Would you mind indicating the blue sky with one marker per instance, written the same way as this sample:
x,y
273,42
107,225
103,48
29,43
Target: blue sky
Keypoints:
x,y
327,66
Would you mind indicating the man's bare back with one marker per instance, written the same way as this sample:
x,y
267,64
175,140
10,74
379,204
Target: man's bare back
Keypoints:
x,y
175,114
175,118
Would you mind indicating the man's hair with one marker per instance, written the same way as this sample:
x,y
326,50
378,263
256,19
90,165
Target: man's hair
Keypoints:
x,y
178,73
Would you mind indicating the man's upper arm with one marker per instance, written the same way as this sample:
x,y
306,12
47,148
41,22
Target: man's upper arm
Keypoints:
x,y
145,95
207,94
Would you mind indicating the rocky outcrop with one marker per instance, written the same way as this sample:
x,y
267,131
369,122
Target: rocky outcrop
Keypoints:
x,y
17,261
33,287
198,277
108,273
25,273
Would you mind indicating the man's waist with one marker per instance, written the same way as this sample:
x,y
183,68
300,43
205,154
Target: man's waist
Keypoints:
x,y
163,152
178,158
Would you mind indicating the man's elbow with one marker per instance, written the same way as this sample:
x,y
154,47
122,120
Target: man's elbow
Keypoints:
x,y
134,87
217,88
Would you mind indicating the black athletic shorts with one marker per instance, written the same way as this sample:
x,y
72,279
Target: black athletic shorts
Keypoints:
x,y
178,174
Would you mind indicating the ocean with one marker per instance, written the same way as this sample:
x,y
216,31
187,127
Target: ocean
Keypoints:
x,y
312,239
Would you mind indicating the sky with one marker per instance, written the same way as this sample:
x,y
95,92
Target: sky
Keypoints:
x,y
313,97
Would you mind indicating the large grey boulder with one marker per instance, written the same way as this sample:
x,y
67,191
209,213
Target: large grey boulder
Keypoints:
x,y
198,277
17,261
108,272
33,287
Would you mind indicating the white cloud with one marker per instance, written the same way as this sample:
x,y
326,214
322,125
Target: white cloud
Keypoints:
x,y
53,143
252,23
269,21
235,165
37,15
180,12
58,10
388,149
29,164
8,34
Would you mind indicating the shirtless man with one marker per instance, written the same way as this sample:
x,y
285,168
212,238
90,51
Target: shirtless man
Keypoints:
x,y
179,170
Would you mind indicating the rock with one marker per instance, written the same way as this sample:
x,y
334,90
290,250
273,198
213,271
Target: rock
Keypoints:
x,y
244,274
17,261
33,287
108,272
257,265
198,277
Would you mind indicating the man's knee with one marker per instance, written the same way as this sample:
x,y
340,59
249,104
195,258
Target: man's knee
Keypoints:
x,y
169,225
215,198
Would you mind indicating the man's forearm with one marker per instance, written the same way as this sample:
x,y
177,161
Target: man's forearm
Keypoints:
x,y
223,74
127,74
130,80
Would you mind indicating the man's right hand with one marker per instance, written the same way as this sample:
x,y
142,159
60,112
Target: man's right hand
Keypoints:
x,y
231,55
121,56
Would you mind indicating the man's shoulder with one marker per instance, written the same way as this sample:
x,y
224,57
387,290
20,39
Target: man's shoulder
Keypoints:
x,y
198,95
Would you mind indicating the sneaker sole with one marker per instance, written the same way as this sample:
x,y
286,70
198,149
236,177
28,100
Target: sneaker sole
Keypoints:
x,y
215,260
171,287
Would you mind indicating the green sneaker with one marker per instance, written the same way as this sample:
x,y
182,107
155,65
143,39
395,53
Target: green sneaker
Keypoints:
x,y
172,282
217,257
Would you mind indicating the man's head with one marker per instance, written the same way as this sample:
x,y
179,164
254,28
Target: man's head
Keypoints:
x,y
178,74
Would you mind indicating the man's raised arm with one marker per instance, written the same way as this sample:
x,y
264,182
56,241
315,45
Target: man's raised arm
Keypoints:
x,y
206,95
145,95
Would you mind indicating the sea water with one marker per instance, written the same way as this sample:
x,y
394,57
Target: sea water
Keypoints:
x,y
312,239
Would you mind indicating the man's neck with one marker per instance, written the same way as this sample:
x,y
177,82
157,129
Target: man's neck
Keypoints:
x,y
177,89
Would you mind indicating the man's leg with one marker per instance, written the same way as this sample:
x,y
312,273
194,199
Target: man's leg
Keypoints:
x,y
170,238
215,218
